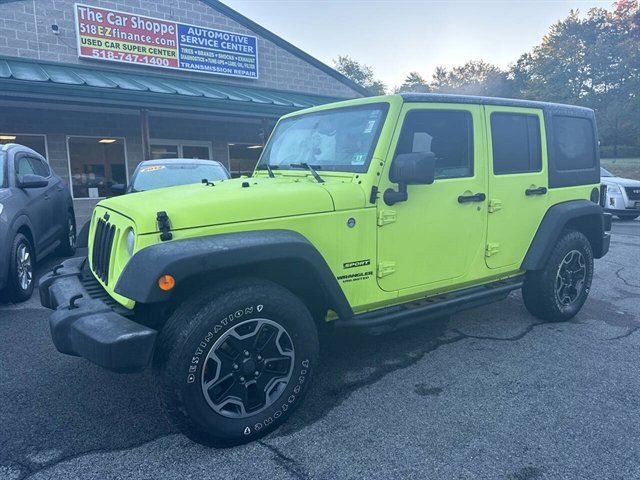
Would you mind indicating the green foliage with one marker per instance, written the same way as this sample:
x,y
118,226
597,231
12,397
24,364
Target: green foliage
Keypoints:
x,y
414,83
591,60
360,73
472,78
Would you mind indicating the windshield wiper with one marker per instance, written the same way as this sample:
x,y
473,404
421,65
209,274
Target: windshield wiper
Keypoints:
x,y
268,168
311,168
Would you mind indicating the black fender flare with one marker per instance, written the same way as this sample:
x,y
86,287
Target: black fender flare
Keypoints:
x,y
22,220
583,215
184,259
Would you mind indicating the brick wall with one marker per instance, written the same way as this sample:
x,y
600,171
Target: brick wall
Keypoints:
x,y
25,31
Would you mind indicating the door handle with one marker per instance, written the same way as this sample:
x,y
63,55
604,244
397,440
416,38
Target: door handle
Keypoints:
x,y
535,191
478,197
46,197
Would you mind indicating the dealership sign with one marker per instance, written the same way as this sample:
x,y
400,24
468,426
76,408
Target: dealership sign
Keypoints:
x,y
127,38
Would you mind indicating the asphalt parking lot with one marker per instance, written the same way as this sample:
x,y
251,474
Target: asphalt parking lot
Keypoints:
x,y
489,393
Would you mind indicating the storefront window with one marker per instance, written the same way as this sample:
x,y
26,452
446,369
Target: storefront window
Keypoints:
x,y
159,152
96,163
243,158
179,149
34,142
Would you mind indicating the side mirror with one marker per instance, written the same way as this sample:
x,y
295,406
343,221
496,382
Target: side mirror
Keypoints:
x,y
118,188
410,169
32,181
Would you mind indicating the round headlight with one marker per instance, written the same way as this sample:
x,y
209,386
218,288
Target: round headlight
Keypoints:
x,y
131,241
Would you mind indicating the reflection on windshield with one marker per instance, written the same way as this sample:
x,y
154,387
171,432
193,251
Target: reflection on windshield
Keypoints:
x,y
342,139
159,176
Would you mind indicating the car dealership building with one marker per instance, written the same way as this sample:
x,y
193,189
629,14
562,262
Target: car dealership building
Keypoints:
x,y
97,87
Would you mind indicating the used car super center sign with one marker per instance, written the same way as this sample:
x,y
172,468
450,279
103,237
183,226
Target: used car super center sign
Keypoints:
x,y
128,38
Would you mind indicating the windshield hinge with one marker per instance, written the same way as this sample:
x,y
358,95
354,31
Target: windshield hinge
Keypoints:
x,y
495,205
164,225
386,216
386,268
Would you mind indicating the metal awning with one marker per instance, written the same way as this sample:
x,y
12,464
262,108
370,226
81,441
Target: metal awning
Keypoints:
x,y
60,82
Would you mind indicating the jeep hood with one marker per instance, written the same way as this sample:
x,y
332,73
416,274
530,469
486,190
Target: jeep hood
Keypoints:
x,y
198,205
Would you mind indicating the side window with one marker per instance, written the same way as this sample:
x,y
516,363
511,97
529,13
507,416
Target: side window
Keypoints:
x,y
40,167
448,134
23,167
517,146
574,143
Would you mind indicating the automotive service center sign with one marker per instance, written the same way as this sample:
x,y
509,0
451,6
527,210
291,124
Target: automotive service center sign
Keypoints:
x,y
128,38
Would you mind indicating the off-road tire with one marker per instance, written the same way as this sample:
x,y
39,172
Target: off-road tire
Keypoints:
x,y
539,289
67,247
189,336
15,291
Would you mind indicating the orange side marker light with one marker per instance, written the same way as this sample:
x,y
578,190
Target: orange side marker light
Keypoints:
x,y
166,282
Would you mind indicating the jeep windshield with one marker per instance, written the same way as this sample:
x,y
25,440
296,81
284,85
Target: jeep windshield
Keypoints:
x,y
340,139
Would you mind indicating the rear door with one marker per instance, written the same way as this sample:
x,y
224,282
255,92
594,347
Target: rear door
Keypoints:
x,y
518,182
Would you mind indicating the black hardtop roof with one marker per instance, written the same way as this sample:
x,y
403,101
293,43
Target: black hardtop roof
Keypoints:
x,y
479,100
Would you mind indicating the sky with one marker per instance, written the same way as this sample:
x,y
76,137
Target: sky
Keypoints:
x,y
397,37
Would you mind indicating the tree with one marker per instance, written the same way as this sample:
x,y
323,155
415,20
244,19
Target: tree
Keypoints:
x,y
592,61
360,73
414,83
473,78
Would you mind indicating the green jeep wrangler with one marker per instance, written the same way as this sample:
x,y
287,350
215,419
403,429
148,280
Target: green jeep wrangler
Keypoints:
x,y
368,213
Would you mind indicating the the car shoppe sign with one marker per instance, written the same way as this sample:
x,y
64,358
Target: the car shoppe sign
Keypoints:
x,y
124,37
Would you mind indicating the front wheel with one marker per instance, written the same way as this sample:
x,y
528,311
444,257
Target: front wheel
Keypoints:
x,y
234,361
21,269
558,291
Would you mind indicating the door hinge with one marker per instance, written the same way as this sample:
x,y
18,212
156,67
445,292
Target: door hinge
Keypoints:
x,y
495,205
492,249
386,216
386,268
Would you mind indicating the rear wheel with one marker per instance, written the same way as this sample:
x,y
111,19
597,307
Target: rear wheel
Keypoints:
x,y
558,291
234,361
21,269
67,246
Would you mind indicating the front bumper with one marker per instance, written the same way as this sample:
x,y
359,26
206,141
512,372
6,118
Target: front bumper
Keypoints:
x,y
89,328
623,212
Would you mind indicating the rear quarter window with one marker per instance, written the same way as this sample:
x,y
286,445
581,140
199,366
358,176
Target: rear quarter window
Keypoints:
x,y
574,143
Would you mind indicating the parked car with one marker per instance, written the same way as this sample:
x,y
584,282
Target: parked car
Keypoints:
x,y
621,196
169,172
368,213
36,218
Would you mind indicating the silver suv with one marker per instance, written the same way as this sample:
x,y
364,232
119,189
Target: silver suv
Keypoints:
x,y
36,218
621,196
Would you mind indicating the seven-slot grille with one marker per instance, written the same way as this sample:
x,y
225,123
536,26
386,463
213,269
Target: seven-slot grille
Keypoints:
x,y
633,193
101,253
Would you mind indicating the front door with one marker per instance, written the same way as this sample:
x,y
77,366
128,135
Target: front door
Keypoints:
x,y
37,203
438,233
517,183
